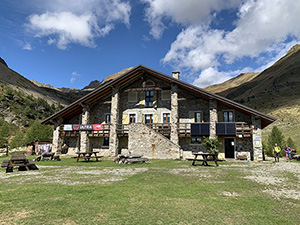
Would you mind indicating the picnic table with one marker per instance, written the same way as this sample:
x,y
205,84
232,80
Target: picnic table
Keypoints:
x,y
19,161
205,158
87,156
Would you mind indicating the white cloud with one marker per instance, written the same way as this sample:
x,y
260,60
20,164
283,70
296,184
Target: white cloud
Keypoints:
x,y
262,28
212,76
74,76
185,12
27,46
79,22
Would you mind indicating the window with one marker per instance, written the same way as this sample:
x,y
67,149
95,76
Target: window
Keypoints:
x,y
107,118
106,141
228,116
196,140
132,118
197,117
149,98
148,118
166,117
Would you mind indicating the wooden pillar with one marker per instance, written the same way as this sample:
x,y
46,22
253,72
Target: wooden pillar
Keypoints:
x,y
84,139
213,117
174,114
114,119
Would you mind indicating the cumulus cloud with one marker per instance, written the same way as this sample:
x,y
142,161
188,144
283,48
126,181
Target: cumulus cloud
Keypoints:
x,y
262,28
185,12
79,22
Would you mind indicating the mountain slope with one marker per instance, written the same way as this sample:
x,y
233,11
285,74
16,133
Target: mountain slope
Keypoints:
x,y
51,95
275,91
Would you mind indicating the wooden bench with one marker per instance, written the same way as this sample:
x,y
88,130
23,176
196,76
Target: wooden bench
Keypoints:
x,y
130,159
87,157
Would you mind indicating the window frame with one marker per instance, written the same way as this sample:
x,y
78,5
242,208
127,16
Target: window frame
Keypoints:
x,y
149,99
227,112
151,118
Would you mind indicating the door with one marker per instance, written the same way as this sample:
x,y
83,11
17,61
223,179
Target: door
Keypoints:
x,y
229,147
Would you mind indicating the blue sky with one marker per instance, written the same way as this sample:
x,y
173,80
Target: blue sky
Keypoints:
x,y
69,43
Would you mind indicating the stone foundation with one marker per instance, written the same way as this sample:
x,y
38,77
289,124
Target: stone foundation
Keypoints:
x,y
144,141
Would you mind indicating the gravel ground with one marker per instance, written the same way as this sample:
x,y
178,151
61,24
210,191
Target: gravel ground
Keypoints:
x,y
279,179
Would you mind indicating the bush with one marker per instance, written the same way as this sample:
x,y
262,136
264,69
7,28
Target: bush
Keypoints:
x,y
212,145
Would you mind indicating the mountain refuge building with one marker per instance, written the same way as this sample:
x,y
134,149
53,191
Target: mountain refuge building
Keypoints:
x,y
146,112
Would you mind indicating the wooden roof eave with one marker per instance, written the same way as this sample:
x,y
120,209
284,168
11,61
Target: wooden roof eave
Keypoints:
x,y
140,69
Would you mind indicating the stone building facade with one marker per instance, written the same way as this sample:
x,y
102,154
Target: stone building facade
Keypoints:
x,y
149,113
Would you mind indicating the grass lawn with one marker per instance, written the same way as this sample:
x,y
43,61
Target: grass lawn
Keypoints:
x,y
159,192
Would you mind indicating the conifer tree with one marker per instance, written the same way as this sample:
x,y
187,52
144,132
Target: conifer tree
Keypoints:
x,y
275,136
291,143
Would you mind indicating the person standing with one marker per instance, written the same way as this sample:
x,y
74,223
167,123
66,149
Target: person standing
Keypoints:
x,y
276,151
287,152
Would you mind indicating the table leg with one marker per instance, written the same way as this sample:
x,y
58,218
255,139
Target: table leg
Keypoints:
x,y
216,160
204,160
194,160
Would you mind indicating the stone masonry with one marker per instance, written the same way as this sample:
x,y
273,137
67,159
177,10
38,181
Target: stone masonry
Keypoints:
x,y
56,142
142,140
213,117
256,138
84,139
174,114
114,116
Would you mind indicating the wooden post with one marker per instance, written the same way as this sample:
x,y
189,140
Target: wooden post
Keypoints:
x,y
6,150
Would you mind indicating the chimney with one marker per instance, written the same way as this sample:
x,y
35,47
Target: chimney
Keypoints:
x,y
176,74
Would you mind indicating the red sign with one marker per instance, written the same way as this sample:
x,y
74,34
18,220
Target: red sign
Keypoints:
x,y
76,127
97,126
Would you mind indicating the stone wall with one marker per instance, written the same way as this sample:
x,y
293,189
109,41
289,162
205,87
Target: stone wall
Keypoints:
x,y
144,141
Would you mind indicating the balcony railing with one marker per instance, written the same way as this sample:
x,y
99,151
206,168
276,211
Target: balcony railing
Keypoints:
x,y
240,129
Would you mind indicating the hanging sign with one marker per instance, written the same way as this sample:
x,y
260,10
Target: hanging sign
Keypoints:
x,y
83,127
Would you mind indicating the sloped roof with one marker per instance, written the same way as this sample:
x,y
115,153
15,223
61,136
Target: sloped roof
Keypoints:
x,y
105,90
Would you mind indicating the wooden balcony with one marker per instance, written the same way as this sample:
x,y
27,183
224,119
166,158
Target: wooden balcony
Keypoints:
x,y
239,129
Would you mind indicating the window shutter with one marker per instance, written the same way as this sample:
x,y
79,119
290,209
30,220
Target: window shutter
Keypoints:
x,y
202,118
142,99
103,119
125,118
155,118
155,99
192,117
143,118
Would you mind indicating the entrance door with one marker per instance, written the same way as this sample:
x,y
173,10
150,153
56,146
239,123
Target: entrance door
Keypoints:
x,y
229,147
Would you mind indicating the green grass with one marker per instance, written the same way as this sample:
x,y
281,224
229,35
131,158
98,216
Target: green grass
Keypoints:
x,y
160,192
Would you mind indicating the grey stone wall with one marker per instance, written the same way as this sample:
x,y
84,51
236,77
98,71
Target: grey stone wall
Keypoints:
x,y
145,141
174,115
84,139
213,116
113,138
188,104
257,139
